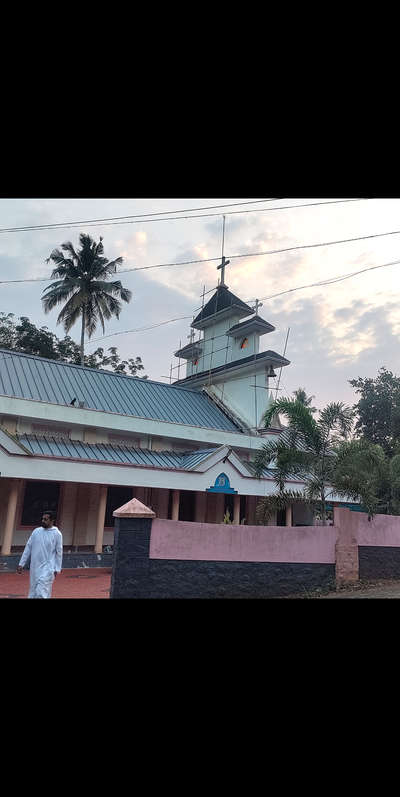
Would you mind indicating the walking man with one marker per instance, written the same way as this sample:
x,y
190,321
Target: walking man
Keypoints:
x,y
44,552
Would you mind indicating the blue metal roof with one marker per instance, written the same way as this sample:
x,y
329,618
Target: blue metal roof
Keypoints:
x,y
30,377
106,452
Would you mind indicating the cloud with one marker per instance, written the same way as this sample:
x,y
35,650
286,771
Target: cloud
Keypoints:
x,y
141,237
323,358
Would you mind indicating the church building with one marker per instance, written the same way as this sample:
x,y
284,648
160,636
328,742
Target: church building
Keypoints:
x,y
82,441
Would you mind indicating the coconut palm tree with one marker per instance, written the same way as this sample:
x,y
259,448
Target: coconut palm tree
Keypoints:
x,y
305,449
301,395
82,284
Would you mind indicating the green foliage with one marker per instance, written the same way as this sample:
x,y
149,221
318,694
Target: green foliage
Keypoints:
x,y
274,503
26,337
304,450
301,395
364,472
83,287
378,409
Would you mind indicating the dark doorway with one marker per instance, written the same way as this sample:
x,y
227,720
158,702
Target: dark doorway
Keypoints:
x,y
229,506
116,497
187,505
281,517
242,508
39,497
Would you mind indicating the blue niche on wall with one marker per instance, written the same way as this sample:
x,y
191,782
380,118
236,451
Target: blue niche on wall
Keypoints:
x,y
221,485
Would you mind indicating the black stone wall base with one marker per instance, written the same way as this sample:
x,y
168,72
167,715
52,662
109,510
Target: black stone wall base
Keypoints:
x,y
378,562
131,555
159,578
70,560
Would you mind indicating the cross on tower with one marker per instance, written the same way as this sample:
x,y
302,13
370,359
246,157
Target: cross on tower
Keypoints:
x,y
222,266
258,304
224,261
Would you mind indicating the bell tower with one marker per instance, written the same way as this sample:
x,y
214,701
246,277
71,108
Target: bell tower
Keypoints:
x,y
226,361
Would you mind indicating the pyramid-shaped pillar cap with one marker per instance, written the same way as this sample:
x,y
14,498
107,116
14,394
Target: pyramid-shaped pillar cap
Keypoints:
x,y
134,508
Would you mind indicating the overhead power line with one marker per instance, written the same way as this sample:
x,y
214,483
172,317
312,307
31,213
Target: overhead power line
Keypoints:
x,y
231,257
68,225
329,281
141,329
60,224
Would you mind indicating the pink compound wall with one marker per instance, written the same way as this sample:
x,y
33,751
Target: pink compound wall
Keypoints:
x,y
172,539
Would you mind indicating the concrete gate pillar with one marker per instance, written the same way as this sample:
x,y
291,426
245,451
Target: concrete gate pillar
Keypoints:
x,y
347,567
132,530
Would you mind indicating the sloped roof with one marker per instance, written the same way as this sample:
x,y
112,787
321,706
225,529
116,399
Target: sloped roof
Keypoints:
x,y
256,324
29,377
222,299
50,446
268,356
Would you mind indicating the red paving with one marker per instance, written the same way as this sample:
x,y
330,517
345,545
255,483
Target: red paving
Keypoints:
x,y
72,583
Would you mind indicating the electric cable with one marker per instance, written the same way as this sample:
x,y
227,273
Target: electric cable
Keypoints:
x,y
61,224
230,257
66,225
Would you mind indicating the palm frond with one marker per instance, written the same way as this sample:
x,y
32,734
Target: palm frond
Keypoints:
x,y
263,458
56,296
100,314
68,247
114,288
112,304
300,420
273,503
71,312
106,267
336,417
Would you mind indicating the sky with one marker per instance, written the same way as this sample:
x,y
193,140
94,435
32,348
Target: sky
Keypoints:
x,y
337,332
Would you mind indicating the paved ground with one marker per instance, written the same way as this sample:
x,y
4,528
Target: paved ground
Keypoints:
x,y
95,583
72,583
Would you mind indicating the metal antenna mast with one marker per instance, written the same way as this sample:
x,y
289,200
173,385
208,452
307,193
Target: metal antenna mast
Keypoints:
x,y
224,261
280,373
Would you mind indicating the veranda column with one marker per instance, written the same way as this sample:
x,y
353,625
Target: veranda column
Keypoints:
x,y
289,515
101,515
10,518
236,510
175,504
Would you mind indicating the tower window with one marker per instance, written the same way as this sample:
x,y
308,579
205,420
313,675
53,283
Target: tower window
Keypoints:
x,y
244,343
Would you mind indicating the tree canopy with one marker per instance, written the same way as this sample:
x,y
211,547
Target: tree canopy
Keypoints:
x,y
304,450
378,410
27,338
83,287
